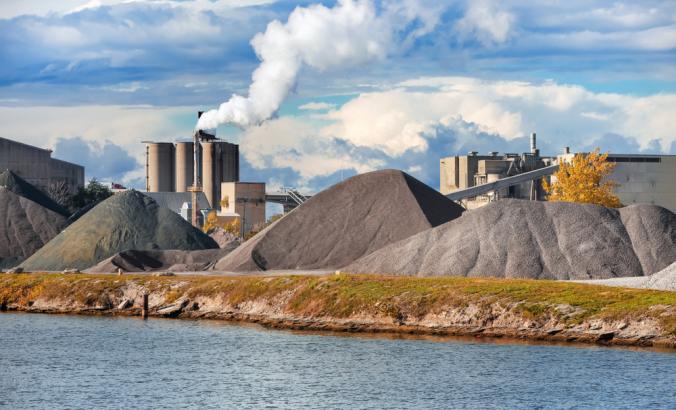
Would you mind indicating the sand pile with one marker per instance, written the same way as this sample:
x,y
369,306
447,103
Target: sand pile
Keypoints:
x,y
156,260
524,239
343,223
125,221
21,187
25,226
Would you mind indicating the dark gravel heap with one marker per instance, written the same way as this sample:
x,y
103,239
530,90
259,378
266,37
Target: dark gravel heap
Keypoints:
x,y
151,261
544,240
127,220
343,223
21,187
25,226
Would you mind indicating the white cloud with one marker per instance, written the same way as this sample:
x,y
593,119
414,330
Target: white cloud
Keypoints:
x,y
406,118
290,142
316,106
14,8
125,126
486,21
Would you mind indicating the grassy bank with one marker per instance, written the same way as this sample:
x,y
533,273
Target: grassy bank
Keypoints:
x,y
401,300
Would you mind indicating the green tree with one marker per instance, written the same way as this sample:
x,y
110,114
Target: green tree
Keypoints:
x,y
93,193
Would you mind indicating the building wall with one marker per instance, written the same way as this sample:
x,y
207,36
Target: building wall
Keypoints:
x,y
647,182
643,178
247,199
37,166
72,174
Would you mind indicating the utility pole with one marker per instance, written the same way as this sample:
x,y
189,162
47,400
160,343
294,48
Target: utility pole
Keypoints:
x,y
147,164
196,186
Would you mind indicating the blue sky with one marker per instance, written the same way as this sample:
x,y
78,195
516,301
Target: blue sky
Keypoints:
x,y
378,84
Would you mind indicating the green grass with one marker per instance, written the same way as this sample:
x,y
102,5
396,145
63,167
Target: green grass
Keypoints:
x,y
344,295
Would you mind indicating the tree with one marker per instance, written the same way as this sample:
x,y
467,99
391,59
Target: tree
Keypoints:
x,y
583,181
59,191
94,192
212,223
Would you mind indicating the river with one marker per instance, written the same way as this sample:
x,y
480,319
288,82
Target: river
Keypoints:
x,y
53,361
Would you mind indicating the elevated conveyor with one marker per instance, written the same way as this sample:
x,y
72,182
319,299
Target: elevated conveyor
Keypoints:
x,y
502,183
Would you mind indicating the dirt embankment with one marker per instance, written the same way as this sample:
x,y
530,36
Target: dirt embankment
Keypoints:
x,y
526,309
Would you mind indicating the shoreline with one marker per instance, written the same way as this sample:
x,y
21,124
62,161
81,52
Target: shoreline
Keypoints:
x,y
523,310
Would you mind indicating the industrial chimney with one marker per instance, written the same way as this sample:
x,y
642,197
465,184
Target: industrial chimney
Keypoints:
x,y
533,145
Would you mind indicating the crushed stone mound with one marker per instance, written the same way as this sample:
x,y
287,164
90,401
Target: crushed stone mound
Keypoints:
x,y
662,280
21,187
157,260
125,221
25,226
544,240
224,239
344,222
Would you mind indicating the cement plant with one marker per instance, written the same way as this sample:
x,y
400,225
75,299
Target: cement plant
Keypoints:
x,y
347,204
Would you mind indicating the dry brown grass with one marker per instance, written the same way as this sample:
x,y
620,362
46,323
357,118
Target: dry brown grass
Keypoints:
x,y
343,295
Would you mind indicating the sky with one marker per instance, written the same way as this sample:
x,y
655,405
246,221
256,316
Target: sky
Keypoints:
x,y
315,92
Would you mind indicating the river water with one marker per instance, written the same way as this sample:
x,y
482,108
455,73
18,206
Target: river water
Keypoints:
x,y
50,361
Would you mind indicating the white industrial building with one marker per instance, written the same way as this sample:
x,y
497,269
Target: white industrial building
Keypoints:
x,y
475,180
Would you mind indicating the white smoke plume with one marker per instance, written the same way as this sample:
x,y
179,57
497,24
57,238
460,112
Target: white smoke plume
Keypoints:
x,y
352,32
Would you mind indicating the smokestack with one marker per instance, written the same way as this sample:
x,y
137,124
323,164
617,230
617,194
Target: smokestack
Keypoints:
x,y
533,145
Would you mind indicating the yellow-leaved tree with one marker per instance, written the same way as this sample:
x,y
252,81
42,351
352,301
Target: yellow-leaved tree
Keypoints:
x,y
212,222
582,181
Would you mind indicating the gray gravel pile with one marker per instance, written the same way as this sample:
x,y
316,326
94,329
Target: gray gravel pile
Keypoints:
x,y
126,221
224,239
21,187
25,226
527,239
662,280
157,260
343,223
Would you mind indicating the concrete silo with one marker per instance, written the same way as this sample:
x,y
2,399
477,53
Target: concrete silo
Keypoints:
x,y
220,163
160,167
184,166
209,164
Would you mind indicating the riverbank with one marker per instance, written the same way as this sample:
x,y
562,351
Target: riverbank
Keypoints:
x,y
523,309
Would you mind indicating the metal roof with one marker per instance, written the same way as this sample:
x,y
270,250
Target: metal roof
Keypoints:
x,y
175,200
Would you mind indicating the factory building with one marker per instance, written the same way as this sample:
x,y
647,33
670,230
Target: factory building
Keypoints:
x,y
641,178
37,166
466,171
169,166
245,201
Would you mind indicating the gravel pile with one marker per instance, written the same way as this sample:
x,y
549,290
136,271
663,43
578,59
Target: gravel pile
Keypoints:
x,y
527,239
21,187
343,223
151,261
126,221
662,280
25,226
224,239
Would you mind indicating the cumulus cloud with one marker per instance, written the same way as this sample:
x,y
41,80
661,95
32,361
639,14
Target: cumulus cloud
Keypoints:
x,y
486,21
316,106
406,118
104,161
